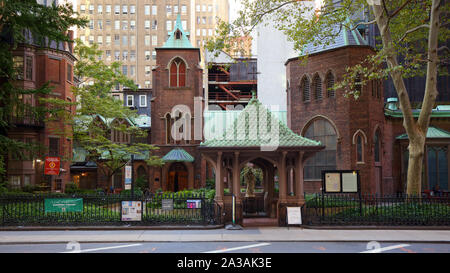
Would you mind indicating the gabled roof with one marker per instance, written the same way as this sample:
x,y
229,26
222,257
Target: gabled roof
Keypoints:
x,y
344,37
178,155
249,130
178,42
432,132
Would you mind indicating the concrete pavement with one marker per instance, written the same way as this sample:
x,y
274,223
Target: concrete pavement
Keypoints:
x,y
266,234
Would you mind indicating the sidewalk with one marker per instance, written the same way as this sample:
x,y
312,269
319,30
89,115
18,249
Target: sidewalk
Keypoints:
x,y
266,234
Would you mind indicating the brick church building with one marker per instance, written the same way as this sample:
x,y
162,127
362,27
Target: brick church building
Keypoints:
x,y
364,134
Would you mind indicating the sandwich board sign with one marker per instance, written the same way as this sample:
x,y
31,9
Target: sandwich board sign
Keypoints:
x,y
294,216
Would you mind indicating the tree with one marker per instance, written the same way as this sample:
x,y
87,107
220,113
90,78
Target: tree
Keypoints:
x,y
413,34
20,20
100,117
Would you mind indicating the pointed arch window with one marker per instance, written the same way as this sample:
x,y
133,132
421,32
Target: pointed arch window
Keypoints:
x,y
359,149
329,84
317,83
177,73
304,87
377,147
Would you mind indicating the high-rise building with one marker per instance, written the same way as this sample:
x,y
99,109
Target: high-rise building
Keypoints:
x,y
129,30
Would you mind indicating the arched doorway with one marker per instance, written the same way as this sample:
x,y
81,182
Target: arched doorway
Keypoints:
x,y
142,178
177,177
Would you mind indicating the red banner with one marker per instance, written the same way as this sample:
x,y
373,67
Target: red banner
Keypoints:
x,y
52,165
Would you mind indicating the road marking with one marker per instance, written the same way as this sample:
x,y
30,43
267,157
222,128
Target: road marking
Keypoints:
x,y
378,250
102,248
237,248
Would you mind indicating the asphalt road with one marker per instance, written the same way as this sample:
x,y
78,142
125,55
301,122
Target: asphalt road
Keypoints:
x,y
230,247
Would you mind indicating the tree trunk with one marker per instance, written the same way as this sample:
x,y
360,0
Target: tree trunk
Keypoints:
x,y
416,131
415,165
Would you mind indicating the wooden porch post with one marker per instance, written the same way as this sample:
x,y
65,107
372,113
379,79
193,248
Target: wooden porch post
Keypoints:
x,y
219,179
282,183
236,178
299,178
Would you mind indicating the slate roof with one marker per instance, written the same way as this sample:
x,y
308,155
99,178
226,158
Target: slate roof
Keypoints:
x,y
249,130
345,37
173,42
178,155
432,132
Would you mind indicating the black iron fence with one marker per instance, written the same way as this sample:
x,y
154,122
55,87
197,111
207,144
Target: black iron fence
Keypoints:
x,y
359,210
73,210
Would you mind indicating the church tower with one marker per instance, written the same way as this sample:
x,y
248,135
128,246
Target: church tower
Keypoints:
x,y
177,84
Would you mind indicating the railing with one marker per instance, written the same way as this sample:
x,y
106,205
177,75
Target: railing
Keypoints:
x,y
28,210
396,210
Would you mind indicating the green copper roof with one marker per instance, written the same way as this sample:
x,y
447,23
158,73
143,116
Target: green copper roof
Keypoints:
x,y
178,41
178,155
435,113
253,128
432,132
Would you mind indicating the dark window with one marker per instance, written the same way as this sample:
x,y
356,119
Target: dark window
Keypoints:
x,y
359,149
358,85
53,146
304,86
317,83
377,147
321,130
437,168
29,68
330,83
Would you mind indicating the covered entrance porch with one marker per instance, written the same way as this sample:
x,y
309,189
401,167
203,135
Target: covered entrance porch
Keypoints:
x,y
281,163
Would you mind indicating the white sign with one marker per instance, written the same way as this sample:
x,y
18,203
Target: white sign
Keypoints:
x,y
131,210
294,216
127,174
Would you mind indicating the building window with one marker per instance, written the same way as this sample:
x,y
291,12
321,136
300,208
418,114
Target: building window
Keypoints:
x,y
132,9
359,149
147,40
154,10
28,68
130,100
108,39
117,55
147,70
99,40
53,146
125,70
116,9
304,87
154,40
154,55
14,181
82,8
321,130
108,9
358,84
100,24
317,83
376,146
99,9
147,10
177,73
147,55
125,55
155,25
132,24
329,84
132,40
69,72
125,40
117,39
124,9
183,9
91,9
169,25
142,100
147,24
132,70
437,160
116,24
124,25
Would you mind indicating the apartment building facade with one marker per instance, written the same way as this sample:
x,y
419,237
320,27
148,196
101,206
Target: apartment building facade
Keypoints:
x,y
129,30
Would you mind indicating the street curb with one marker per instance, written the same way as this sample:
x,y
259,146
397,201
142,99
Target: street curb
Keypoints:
x,y
377,227
225,241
